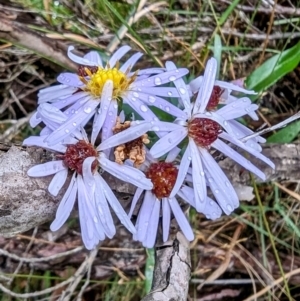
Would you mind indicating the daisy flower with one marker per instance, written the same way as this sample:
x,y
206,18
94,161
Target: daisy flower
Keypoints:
x,y
157,203
97,89
94,195
209,128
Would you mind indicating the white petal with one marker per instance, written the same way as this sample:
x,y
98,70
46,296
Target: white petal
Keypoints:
x,y
99,119
153,225
58,181
212,210
118,55
116,206
129,134
168,142
79,60
39,141
166,218
206,86
65,206
46,169
145,215
134,201
103,209
181,219
233,87
182,171
94,57
199,182
127,66
231,153
125,173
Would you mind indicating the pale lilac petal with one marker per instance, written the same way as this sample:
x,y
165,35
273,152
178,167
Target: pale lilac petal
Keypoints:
x,y
134,201
233,87
73,123
250,150
181,88
166,218
231,153
70,79
73,109
187,194
172,155
153,225
109,123
118,55
116,206
103,209
66,102
219,183
182,170
48,111
160,103
79,60
127,66
46,169
168,142
94,57
181,219
199,182
99,119
58,181
45,131
159,91
162,78
55,93
65,206
212,210
35,120
88,176
206,86
89,237
150,71
195,84
237,109
125,173
139,107
145,215
129,134
39,141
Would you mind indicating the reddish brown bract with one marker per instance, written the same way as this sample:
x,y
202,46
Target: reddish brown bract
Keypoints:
x,y
163,176
82,70
214,98
77,153
204,131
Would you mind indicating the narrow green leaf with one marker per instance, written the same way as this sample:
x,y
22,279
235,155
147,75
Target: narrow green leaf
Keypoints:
x,y
273,69
287,134
218,51
228,12
149,269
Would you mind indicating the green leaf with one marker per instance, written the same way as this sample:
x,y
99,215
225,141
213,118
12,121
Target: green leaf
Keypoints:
x,y
287,134
273,69
149,269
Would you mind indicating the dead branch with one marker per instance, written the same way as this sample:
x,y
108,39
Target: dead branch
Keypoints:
x,y
20,34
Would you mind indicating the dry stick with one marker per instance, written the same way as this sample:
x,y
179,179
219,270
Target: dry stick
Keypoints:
x,y
67,294
78,275
172,271
42,259
21,35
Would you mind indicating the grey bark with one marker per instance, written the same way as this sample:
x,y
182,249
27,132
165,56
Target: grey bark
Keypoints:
x,y
26,203
172,271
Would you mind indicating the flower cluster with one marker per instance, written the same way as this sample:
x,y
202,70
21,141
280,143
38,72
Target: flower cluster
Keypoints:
x,y
84,123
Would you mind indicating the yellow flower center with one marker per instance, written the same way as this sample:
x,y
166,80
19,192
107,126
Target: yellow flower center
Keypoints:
x,y
98,77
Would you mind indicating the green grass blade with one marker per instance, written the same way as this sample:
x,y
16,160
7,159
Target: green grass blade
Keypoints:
x,y
149,269
274,69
